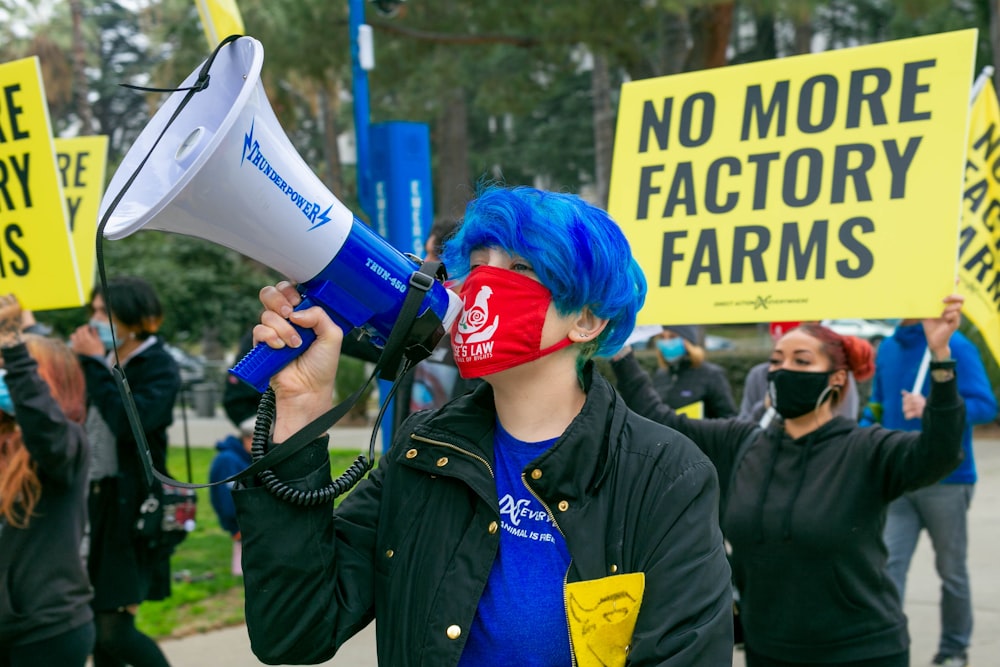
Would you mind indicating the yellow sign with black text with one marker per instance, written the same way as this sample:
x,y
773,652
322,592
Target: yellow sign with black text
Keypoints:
x,y
219,19
82,162
37,261
979,235
804,188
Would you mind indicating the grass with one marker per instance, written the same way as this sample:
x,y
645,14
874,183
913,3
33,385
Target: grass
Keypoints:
x,y
207,596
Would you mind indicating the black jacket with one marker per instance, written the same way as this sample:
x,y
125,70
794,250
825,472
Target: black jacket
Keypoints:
x,y
683,383
124,569
805,520
413,544
44,590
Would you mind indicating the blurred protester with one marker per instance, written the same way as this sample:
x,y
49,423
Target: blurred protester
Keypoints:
x,y
753,405
805,500
684,376
435,380
233,456
517,515
240,400
30,325
125,566
940,509
45,614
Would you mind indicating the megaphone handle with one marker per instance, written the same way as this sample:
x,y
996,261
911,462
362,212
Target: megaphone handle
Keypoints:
x,y
259,364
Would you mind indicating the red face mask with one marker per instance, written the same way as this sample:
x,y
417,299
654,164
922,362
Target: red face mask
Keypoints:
x,y
501,324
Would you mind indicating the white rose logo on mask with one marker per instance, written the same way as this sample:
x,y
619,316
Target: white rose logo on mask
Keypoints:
x,y
499,295
470,325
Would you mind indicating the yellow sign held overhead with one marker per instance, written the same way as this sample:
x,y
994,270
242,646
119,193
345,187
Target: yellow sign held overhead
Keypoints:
x,y
979,235
219,19
803,188
82,162
37,262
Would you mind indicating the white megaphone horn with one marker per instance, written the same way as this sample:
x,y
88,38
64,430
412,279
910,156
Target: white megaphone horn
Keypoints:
x,y
224,171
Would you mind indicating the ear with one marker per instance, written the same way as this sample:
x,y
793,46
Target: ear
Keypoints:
x,y
152,324
587,327
839,379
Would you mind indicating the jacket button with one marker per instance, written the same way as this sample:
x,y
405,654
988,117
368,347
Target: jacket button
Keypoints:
x,y
442,462
563,505
614,568
536,474
411,453
389,553
493,528
453,632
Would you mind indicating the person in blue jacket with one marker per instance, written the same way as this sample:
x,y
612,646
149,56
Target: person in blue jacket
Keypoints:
x,y
233,457
940,508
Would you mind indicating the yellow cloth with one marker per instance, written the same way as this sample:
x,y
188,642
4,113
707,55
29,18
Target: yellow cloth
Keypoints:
x,y
602,615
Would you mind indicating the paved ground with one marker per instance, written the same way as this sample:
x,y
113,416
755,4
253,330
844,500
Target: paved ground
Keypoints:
x,y
231,647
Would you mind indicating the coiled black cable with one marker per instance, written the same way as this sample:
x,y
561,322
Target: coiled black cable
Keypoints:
x,y
337,487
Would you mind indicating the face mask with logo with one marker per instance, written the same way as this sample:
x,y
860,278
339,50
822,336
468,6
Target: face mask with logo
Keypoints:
x,y
104,331
501,323
795,393
6,402
672,349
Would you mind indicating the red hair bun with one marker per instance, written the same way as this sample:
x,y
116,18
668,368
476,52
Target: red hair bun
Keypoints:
x,y
860,357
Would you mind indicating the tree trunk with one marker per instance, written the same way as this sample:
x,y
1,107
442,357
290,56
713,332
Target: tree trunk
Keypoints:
x,y
328,95
710,28
80,86
604,131
453,187
995,40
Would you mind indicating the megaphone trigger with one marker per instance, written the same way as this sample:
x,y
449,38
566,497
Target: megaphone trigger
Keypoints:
x,y
259,364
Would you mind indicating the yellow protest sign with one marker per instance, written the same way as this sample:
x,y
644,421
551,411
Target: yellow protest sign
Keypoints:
x,y
803,188
82,162
219,19
979,235
37,262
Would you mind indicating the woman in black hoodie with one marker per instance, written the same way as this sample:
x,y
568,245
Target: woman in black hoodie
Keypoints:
x,y
804,502
45,616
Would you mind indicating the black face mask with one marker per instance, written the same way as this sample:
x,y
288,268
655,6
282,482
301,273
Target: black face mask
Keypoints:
x,y
795,393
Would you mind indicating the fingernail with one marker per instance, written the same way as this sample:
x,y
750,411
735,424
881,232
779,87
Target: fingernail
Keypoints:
x,y
296,341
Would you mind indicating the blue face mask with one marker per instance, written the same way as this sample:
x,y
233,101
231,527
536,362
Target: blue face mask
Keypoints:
x,y
6,402
104,331
672,349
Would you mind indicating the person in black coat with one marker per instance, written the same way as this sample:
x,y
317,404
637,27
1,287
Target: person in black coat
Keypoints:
x,y
45,615
684,376
805,500
534,520
126,567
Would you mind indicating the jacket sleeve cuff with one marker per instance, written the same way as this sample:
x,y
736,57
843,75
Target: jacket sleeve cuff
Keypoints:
x,y
944,394
308,469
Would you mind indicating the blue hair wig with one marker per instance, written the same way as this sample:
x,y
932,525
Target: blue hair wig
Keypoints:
x,y
577,251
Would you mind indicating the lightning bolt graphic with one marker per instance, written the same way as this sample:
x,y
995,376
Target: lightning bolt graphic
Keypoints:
x,y
322,218
247,142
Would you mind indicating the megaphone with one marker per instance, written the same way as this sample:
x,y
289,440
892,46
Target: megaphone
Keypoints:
x,y
216,165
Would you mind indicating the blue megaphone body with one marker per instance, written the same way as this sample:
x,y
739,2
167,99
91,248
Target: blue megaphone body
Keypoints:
x,y
220,168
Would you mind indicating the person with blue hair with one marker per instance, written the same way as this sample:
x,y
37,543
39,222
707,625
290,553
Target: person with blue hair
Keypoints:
x,y
535,520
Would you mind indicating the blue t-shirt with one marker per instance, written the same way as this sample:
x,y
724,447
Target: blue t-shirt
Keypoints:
x,y
521,618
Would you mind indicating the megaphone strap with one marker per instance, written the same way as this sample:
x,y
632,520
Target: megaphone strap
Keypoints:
x,y
265,460
117,371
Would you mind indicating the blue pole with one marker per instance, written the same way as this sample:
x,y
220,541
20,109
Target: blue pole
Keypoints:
x,y
359,90
366,196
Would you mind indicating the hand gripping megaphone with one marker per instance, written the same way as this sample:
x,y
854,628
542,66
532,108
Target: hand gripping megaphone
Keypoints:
x,y
216,165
